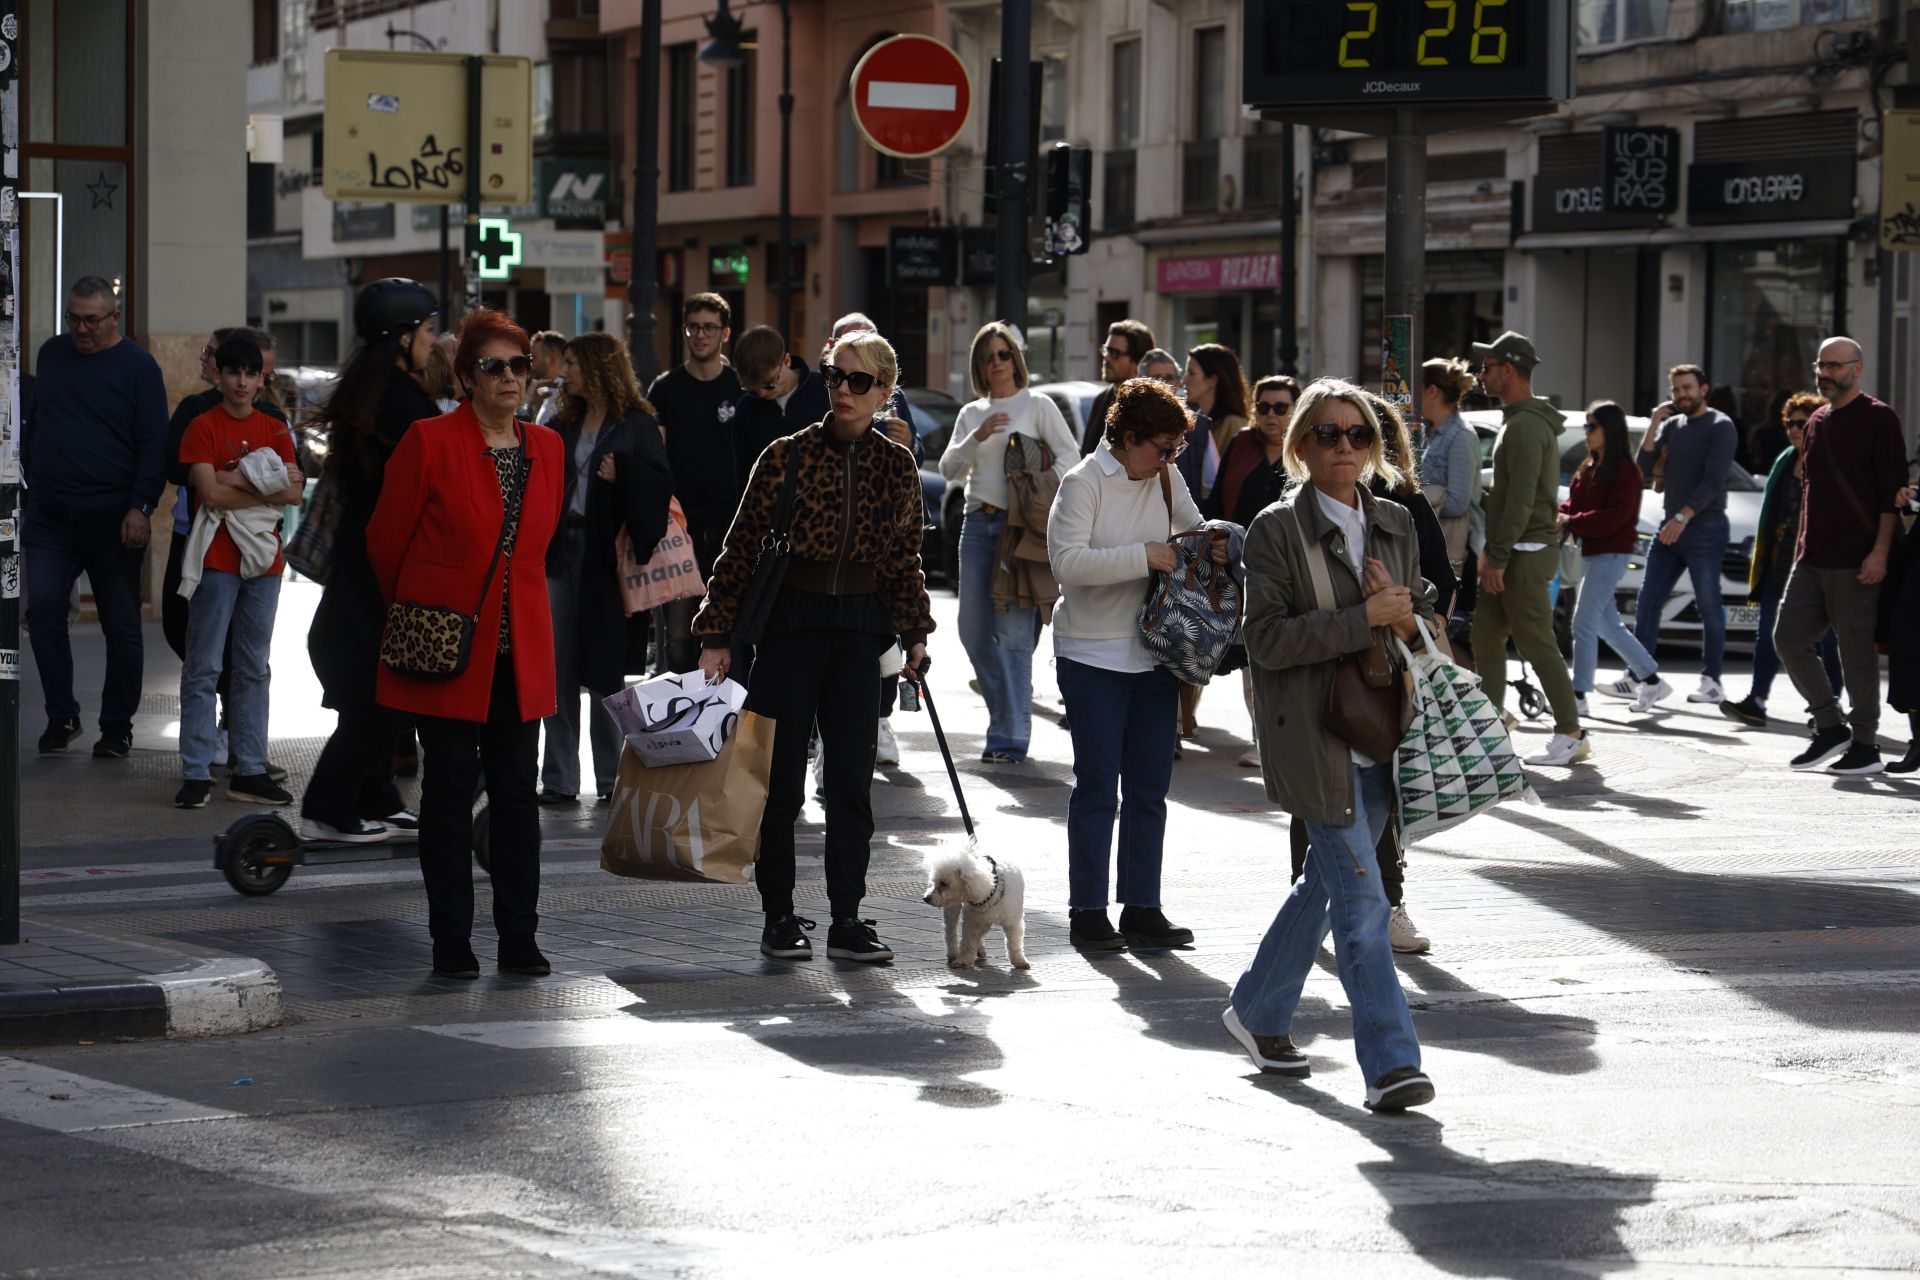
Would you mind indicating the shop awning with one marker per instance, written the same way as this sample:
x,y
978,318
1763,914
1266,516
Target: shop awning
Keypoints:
x,y
1630,237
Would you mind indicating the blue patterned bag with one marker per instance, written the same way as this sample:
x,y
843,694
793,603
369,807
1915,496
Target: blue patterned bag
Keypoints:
x,y
1191,615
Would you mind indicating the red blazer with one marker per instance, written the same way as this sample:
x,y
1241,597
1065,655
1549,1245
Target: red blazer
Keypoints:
x,y
1605,520
430,540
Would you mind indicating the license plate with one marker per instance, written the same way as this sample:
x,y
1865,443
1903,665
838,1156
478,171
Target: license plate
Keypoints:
x,y
1743,615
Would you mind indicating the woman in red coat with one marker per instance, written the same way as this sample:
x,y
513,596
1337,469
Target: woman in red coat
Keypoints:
x,y
457,487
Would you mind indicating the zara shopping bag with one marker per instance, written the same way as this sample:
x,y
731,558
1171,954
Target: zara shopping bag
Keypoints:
x,y
692,821
670,573
1456,757
679,719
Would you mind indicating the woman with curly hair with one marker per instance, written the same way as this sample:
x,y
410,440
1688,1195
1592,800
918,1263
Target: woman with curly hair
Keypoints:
x,y
616,477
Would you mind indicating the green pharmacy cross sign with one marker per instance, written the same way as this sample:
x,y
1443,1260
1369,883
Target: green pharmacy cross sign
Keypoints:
x,y
498,249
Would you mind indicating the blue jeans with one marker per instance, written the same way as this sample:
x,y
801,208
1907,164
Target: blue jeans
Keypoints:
x,y
1595,614
1123,739
61,543
1766,658
247,605
1339,892
1698,552
999,643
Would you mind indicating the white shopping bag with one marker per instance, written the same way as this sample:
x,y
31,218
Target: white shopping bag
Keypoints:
x,y
677,719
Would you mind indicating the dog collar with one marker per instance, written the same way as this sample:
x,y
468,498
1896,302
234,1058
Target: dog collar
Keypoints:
x,y
999,886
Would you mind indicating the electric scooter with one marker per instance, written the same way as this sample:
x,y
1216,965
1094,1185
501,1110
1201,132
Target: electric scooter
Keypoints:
x,y
258,852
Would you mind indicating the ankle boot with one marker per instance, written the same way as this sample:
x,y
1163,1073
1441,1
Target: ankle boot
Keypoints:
x,y
1149,927
1091,931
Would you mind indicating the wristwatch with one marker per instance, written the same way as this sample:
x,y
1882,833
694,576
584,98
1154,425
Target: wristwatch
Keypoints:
x,y
1682,517
145,509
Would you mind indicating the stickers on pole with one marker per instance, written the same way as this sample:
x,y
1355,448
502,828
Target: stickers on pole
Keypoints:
x,y
9,577
9,664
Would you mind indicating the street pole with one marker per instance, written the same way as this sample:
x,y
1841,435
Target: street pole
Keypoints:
x,y
1289,258
474,63
786,192
1011,186
643,283
446,267
10,568
1406,261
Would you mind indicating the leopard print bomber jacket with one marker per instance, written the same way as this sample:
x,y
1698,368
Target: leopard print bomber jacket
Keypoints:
x,y
878,526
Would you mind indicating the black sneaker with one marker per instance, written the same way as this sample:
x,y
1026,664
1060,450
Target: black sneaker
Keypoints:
x,y
1269,1053
192,794
557,797
248,788
999,757
402,820
1092,931
1746,711
277,772
60,735
851,939
1148,927
1399,1089
785,938
455,960
1827,743
1862,758
114,744
1909,762
521,956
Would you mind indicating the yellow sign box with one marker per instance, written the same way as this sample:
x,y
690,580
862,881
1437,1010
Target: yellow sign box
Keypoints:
x,y
396,127
1900,181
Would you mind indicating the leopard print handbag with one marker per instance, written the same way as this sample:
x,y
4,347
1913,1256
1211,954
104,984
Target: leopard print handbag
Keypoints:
x,y
433,642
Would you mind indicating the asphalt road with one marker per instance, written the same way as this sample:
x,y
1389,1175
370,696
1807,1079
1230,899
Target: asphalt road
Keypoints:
x,y
1670,1013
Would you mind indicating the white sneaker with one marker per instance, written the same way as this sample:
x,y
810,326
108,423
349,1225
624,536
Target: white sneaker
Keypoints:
x,y
1580,705
1709,691
887,751
1404,935
1624,687
1654,690
1564,750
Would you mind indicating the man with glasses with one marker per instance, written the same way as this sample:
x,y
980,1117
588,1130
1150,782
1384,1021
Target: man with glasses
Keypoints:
x,y
1855,465
1199,461
694,404
1127,345
1698,444
544,387
782,396
1522,555
93,453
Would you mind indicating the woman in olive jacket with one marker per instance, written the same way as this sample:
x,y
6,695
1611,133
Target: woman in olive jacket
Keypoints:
x,y
1371,556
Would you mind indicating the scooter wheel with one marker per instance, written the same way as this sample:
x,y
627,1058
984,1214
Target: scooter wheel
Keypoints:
x,y
483,839
258,860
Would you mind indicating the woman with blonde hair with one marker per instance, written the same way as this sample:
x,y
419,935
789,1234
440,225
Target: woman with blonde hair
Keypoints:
x,y
615,477
852,589
999,640
1330,537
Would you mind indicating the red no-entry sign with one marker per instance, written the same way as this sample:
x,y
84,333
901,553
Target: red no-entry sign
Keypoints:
x,y
911,95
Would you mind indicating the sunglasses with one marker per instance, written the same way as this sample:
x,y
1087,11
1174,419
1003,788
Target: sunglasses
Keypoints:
x,y
1797,424
1000,355
1110,350
496,366
1265,407
1328,435
857,381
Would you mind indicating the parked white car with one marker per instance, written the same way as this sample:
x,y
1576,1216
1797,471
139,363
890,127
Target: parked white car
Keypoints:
x,y
1679,620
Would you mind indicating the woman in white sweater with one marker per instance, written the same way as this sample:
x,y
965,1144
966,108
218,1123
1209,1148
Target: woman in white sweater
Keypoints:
x,y
999,641
1106,535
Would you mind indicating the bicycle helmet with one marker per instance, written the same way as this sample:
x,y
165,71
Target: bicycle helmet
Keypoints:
x,y
389,306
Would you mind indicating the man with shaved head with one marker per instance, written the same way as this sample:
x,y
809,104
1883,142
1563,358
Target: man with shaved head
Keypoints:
x,y
1854,463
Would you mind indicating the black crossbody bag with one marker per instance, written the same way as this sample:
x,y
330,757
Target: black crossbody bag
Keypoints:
x,y
770,567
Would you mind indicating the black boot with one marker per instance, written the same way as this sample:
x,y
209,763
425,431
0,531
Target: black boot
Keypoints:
x,y
1910,761
1092,931
1148,927
519,955
455,960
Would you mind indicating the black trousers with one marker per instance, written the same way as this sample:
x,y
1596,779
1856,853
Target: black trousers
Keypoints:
x,y
454,753
801,678
353,778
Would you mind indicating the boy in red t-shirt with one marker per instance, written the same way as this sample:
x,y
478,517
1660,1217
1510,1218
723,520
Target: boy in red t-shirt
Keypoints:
x,y
231,577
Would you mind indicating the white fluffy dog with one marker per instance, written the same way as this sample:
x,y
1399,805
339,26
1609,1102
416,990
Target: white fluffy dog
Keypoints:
x,y
978,892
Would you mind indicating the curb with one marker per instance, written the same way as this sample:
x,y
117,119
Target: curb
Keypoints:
x,y
212,998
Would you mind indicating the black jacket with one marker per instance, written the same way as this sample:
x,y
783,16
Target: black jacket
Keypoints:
x,y
636,500
344,641
1097,426
757,423
1434,566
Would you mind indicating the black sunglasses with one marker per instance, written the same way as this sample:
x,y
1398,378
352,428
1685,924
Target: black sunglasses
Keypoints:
x,y
1265,407
856,381
494,366
1000,355
1327,435
1797,422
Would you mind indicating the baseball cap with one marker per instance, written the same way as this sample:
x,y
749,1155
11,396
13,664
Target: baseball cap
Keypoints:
x,y
1514,348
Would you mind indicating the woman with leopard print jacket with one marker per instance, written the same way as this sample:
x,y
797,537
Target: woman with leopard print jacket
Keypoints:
x,y
853,588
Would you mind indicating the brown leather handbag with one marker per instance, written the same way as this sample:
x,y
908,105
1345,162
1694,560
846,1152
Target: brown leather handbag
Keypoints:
x,y
1363,701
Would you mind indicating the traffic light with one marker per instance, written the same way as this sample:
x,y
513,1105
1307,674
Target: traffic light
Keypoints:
x,y
1069,178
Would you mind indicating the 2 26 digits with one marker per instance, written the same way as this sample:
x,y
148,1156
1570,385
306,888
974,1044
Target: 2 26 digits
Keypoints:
x,y
1436,44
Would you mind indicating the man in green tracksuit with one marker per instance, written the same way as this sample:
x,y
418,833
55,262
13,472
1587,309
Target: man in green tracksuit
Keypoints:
x,y
1523,553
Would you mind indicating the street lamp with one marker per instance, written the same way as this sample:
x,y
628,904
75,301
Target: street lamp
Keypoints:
x,y
725,47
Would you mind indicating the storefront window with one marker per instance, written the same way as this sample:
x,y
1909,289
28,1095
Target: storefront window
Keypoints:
x,y
1772,304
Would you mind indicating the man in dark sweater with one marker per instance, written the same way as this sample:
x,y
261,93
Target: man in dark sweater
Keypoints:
x,y
1855,464
92,451
782,396
1698,442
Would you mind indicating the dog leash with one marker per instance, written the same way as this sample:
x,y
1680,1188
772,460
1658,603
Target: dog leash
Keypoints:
x,y
939,736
